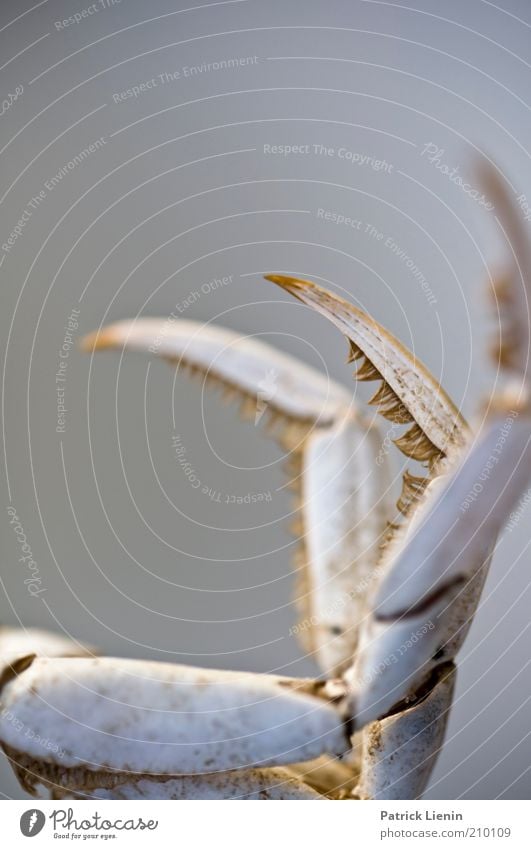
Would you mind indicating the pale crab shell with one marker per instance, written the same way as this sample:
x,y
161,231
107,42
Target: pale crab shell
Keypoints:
x,y
433,584
400,751
345,507
109,714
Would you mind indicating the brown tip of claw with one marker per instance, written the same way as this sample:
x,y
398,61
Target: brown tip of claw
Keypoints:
x,y
99,340
283,280
291,284
14,669
277,278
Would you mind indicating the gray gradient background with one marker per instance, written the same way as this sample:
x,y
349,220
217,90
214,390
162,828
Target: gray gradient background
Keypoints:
x,y
132,558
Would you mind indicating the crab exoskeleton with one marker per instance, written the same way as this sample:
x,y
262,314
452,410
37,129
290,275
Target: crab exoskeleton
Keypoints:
x,y
373,578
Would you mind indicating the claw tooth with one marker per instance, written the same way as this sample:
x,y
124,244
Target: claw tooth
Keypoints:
x,y
367,371
295,485
274,418
228,393
248,409
299,557
354,352
292,465
296,527
297,502
293,435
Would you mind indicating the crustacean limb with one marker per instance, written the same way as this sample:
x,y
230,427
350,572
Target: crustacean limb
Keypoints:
x,y
341,491
434,571
107,717
139,729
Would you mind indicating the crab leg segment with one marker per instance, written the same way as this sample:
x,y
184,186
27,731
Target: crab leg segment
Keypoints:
x,y
243,363
400,751
345,507
131,716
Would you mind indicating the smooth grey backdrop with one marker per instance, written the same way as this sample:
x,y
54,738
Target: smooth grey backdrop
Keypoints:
x,y
180,191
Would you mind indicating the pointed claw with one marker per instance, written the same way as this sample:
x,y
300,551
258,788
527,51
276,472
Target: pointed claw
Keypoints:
x,y
409,394
260,373
414,388
98,340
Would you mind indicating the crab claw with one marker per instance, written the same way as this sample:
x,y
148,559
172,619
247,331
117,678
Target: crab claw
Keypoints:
x,y
409,392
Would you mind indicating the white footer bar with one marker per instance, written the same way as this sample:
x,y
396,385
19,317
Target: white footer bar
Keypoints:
x,y
257,825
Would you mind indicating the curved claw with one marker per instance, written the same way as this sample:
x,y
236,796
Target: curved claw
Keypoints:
x,y
409,392
247,365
